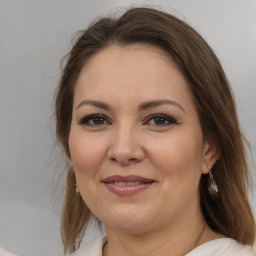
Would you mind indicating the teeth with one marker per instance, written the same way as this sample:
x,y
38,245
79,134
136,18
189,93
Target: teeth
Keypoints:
x,y
130,183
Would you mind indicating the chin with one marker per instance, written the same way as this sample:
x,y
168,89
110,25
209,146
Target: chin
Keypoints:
x,y
129,220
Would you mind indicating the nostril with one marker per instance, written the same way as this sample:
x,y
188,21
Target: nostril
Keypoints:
x,y
125,154
123,162
113,159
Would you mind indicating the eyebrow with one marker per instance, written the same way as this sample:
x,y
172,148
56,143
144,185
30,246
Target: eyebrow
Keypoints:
x,y
141,107
95,103
156,103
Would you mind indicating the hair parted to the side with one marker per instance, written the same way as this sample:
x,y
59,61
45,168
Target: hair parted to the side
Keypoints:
x,y
231,214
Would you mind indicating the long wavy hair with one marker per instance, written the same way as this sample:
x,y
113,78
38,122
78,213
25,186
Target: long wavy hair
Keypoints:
x,y
231,214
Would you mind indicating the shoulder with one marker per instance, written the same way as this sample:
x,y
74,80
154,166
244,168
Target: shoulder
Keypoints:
x,y
3,252
93,249
222,247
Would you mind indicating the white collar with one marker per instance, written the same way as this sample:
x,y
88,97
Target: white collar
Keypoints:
x,y
217,247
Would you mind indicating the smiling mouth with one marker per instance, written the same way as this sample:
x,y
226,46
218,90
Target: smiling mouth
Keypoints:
x,y
130,183
127,185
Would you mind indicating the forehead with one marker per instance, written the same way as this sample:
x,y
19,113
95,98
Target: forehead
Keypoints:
x,y
133,70
135,54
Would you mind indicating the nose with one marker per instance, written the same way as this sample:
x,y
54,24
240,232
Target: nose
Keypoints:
x,y
125,147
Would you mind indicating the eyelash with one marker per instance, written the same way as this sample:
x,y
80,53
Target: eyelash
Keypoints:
x,y
165,118
162,117
87,119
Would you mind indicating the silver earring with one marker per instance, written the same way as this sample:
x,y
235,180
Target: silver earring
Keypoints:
x,y
77,190
212,186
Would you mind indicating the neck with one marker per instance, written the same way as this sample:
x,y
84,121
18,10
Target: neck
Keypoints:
x,y
179,240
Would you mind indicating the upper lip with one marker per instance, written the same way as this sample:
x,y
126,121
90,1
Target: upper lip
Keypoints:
x,y
130,178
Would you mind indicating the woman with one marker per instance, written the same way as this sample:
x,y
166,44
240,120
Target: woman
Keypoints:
x,y
146,116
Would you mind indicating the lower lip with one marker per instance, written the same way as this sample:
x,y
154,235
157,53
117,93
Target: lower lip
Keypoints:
x,y
127,190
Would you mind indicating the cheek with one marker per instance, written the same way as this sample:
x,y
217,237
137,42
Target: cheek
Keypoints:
x,y
179,158
86,154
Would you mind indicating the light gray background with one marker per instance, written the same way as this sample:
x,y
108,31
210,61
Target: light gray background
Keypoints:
x,y
34,35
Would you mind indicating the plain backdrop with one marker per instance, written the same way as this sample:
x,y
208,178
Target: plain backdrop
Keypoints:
x,y
34,36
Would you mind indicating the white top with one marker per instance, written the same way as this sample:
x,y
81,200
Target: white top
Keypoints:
x,y
217,247
3,252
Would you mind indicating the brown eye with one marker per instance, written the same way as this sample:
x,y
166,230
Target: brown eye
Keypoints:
x,y
160,120
94,120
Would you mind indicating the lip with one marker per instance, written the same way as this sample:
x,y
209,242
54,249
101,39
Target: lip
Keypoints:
x,y
127,185
130,178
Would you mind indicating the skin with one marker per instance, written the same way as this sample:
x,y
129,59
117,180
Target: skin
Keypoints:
x,y
129,141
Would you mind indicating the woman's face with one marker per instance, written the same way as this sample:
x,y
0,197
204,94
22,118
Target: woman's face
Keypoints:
x,y
136,141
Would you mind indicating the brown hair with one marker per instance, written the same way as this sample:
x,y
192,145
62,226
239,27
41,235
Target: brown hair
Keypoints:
x,y
231,214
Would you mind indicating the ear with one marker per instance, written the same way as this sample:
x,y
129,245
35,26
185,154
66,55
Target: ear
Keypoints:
x,y
211,153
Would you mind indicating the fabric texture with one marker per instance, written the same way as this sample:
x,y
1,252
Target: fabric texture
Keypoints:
x,y
218,247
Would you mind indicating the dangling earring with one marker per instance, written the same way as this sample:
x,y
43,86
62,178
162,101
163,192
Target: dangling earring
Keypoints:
x,y
77,190
212,186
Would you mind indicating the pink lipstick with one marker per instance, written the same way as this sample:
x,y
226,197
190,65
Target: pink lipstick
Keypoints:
x,y
127,185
